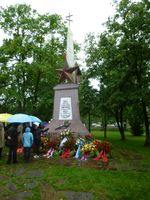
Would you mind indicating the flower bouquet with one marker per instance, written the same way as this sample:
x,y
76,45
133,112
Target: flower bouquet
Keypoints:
x,y
65,133
70,143
68,147
102,145
87,149
44,143
54,142
103,148
64,136
53,145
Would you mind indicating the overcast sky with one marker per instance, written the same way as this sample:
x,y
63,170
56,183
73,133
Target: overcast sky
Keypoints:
x,y
88,15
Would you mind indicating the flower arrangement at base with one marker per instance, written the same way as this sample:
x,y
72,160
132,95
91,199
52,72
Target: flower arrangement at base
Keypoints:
x,y
87,149
65,133
103,148
70,143
68,147
79,143
102,145
44,143
53,145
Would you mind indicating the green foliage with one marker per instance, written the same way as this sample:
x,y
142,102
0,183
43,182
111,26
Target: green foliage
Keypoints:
x,y
30,54
88,99
136,120
119,57
136,127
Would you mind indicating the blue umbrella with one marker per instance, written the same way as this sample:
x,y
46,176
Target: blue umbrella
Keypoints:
x,y
35,119
20,118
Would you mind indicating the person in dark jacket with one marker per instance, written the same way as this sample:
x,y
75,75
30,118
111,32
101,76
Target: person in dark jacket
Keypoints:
x,y
12,143
37,140
2,138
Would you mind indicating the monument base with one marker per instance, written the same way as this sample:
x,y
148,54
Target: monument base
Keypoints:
x,y
66,109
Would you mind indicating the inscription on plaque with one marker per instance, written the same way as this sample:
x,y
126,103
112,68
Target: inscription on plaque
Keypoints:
x,y
65,111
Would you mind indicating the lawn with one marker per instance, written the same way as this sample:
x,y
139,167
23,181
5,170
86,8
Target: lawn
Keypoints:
x,y
125,177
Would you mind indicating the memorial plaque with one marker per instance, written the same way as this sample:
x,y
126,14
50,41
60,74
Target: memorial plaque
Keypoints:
x,y
65,110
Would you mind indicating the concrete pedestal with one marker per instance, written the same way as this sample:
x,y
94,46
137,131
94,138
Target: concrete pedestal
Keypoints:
x,y
66,109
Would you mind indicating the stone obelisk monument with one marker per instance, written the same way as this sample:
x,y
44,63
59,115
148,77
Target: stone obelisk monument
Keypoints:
x,y
66,100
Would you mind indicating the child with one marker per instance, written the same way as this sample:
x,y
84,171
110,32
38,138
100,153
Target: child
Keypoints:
x,y
27,141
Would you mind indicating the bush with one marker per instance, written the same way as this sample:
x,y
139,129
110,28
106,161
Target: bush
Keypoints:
x,y
136,128
136,120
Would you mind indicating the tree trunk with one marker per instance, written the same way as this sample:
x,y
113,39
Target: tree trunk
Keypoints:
x,y
146,120
105,128
122,133
89,122
36,89
119,120
147,137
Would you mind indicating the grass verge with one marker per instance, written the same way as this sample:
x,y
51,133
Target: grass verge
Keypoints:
x,y
125,177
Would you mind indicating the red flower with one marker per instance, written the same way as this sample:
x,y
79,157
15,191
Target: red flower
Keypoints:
x,y
70,143
103,145
54,142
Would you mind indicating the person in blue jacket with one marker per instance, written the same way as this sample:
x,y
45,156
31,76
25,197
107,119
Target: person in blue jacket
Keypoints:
x,y
27,141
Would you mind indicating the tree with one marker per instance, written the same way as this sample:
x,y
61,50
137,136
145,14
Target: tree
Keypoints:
x,y
87,100
30,54
105,61
135,119
120,58
132,21
104,107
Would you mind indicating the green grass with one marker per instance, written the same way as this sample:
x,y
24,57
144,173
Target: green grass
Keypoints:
x,y
125,177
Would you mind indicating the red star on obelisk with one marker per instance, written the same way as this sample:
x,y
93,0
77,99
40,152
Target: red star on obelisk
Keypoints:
x,y
70,72
66,72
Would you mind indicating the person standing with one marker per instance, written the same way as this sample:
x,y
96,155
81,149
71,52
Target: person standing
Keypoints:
x,y
20,131
2,138
27,141
12,143
37,140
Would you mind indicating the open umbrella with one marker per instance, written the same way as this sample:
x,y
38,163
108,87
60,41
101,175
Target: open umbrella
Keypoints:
x,y
4,117
35,119
20,118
